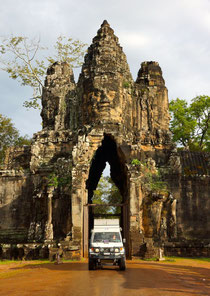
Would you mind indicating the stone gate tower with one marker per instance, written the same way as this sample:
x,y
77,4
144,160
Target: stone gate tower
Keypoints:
x,y
105,117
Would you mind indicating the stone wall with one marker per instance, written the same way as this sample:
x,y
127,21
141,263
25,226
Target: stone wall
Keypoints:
x,y
190,188
15,206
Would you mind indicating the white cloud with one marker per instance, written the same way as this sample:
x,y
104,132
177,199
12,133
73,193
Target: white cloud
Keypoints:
x,y
135,40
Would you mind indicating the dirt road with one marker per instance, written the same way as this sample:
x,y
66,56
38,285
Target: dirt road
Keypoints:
x,y
184,277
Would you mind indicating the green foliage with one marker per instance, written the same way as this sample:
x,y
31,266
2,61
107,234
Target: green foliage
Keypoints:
x,y
179,259
136,162
158,186
182,124
106,193
61,176
152,179
126,84
68,50
150,259
22,141
200,110
18,57
58,181
53,180
9,136
190,123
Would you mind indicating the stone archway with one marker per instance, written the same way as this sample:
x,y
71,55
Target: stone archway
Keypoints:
x,y
107,152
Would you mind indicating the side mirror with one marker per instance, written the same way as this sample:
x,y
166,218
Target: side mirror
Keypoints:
x,y
124,240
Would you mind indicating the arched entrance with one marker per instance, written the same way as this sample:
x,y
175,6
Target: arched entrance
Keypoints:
x,y
107,152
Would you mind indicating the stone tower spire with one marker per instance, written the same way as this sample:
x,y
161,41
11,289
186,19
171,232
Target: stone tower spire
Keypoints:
x,y
153,97
103,95
58,94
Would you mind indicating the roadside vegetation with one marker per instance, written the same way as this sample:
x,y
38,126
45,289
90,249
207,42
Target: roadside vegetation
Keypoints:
x,y
10,136
190,123
176,259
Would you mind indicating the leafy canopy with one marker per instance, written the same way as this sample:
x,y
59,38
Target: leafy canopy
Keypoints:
x,y
20,58
190,123
106,193
9,136
153,178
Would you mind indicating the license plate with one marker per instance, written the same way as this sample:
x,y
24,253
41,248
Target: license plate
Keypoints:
x,y
107,261
106,254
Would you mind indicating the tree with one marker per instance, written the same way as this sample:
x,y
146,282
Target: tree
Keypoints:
x,y
100,196
182,124
106,193
20,58
200,111
190,123
9,136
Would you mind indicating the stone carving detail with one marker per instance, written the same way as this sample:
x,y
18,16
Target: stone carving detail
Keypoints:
x,y
35,232
58,97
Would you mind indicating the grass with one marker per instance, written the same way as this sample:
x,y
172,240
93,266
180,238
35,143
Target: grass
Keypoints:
x,y
39,261
9,274
2,262
5,262
174,258
150,259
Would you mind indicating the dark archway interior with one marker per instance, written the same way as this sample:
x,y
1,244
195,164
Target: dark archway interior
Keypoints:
x,y
108,152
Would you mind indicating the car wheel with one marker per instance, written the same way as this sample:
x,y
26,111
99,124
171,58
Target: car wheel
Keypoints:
x,y
91,264
122,265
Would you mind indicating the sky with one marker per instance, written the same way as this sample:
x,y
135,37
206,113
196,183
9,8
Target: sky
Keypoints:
x,y
176,34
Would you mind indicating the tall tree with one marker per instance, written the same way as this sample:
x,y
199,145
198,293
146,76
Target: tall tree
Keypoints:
x,y
200,111
182,125
9,136
190,123
20,58
107,193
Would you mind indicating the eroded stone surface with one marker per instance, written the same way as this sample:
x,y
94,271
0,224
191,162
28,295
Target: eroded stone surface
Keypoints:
x,y
58,97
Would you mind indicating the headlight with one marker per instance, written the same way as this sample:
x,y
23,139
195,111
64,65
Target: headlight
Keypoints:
x,y
102,250
97,250
111,250
117,250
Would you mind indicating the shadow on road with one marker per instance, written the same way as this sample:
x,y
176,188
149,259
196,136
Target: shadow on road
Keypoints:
x,y
68,266
168,278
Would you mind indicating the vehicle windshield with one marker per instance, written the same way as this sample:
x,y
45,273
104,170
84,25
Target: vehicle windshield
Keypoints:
x,y
106,237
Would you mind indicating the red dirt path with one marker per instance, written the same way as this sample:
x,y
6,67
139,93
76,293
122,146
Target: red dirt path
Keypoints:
x,y
184,278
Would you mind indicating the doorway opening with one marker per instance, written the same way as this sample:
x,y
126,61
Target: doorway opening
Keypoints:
x,y
106,198
112,204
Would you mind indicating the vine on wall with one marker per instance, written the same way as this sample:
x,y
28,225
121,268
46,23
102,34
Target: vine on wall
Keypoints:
x,y
152,177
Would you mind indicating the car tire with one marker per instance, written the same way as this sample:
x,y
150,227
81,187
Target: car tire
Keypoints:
x,y
91,264
122,265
